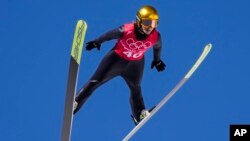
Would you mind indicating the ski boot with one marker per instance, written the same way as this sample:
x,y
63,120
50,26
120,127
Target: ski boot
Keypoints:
x,y
144,114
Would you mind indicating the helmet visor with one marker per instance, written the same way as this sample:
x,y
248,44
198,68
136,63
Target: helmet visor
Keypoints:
x,y
149,23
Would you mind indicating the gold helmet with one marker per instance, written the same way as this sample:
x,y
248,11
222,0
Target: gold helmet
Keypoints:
x,y
147,16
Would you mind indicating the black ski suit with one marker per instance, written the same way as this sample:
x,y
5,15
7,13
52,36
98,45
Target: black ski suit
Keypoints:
x,y
113,65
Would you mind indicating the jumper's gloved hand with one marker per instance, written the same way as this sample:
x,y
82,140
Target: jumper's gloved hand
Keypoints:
x,y
92,44
160,66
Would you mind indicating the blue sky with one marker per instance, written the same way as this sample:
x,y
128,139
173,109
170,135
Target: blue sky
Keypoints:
x,y
35,42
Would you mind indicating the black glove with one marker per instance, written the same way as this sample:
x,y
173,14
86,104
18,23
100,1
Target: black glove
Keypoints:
x,y
92,44
160,66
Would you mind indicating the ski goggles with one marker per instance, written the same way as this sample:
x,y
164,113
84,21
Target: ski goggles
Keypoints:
x,y
149,23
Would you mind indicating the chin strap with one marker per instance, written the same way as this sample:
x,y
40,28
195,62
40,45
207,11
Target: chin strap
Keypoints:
x,y
139,28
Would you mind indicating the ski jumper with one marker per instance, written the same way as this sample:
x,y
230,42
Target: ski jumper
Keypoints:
x,y
126,59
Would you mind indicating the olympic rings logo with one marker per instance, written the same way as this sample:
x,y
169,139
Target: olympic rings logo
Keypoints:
x,y
135,49
137,45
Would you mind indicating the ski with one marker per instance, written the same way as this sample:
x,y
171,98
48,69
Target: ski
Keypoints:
x,y
171,93
75,59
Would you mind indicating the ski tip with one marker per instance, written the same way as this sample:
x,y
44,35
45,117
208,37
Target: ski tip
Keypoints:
x,y
209,46
199,61
81,21
78,40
